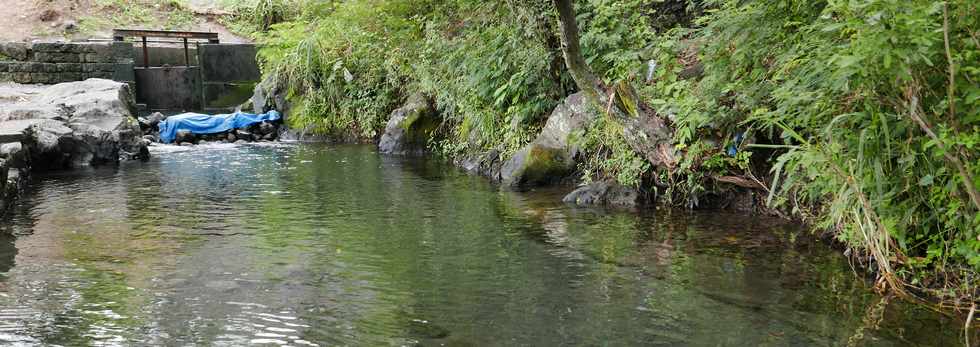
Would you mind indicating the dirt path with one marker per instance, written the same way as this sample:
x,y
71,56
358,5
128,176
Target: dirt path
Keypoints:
x,y
27,20
20,17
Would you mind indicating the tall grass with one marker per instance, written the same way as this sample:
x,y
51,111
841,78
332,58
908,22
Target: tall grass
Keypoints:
x,y
874,108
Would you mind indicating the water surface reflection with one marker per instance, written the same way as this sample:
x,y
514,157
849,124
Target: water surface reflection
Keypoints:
x,y
336,245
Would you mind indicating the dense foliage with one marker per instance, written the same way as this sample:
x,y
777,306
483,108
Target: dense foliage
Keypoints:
x,y
873,109
861,116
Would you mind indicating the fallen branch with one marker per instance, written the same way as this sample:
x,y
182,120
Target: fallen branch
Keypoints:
x,y
740,181
966,328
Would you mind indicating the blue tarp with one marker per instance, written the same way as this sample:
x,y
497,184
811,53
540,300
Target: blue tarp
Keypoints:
x,y
209,124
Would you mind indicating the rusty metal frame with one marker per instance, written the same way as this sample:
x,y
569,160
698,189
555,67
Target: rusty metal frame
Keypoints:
x,y
122,34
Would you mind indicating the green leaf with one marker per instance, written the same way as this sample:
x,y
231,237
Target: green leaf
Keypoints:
x,y
926,181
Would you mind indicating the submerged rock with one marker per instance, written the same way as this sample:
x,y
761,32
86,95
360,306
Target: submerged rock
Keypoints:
x,y
426,329
604,193
551,156
301,135
410,127
487,164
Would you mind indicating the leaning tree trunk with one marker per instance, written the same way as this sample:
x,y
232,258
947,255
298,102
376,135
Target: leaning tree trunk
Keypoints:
x,y
645,131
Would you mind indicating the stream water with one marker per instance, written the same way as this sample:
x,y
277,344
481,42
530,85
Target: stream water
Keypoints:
x,y
338,245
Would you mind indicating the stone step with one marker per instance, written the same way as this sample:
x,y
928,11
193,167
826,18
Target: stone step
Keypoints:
x,y
13,130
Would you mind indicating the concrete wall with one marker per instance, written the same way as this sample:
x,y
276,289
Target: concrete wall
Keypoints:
x,y
230,73
169,88
57,62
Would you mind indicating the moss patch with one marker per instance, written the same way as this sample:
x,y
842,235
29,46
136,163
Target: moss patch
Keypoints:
x,y
545,165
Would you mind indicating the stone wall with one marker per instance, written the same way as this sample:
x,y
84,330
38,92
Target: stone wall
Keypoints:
x,y
57,62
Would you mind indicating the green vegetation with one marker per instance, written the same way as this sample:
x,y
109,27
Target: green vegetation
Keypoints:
x,y
860,117
157,14
867,114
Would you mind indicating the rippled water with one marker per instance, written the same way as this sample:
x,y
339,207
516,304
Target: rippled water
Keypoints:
x,y
337,245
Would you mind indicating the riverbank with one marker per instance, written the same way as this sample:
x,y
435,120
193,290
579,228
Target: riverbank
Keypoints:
x,y
762,106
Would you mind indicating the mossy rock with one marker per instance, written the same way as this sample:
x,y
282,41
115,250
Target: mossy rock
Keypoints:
x,y
410,127
536,165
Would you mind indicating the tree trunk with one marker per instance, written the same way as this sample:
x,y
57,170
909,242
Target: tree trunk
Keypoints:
x,y
645,131
574,61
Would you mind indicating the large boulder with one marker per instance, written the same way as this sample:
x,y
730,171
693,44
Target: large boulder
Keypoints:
x,y
410,127
536,165
78,123
551,157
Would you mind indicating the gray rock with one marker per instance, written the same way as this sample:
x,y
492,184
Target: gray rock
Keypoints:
x,y
240,142
16,155
244,135
231,137
567,121
551,157
15,50
154,119
183,136
270,95
410,127
266,128
80,123
608,193
536,165
53,146
487,164
142,152
187,144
